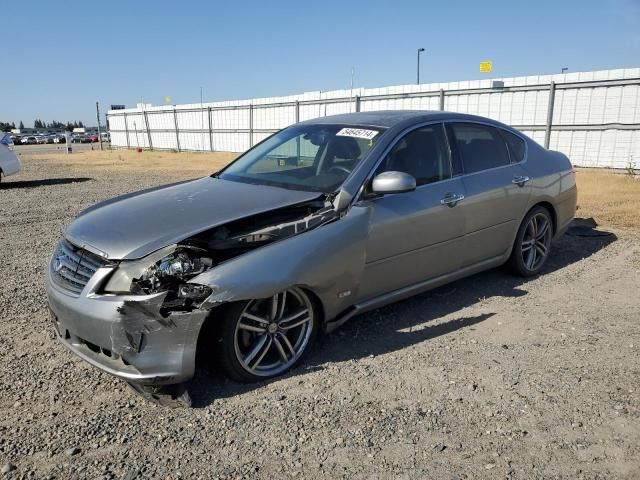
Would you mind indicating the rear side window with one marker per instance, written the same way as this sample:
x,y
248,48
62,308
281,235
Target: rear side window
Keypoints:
x,y
422,153
480,146
515,145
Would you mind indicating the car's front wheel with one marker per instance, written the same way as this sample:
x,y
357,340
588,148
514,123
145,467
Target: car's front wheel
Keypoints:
x,y
533,243
264,338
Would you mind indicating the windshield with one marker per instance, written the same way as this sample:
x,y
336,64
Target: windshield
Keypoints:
x,y
305,157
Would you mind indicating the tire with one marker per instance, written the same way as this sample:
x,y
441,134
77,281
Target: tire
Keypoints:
x,y
532,244
263,338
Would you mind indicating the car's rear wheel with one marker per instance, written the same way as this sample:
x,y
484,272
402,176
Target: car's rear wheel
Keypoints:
x,y
533,243
264,338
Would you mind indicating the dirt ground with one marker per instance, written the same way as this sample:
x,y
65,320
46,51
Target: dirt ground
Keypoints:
x,y
489,377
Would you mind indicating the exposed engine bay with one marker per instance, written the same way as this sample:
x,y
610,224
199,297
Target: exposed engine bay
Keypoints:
x,y
170,269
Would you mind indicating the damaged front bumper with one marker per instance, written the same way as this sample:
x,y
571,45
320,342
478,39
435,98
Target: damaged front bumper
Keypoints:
x,y
126,336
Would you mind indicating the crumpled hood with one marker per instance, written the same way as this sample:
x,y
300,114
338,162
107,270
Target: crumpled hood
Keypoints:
x,y
134,225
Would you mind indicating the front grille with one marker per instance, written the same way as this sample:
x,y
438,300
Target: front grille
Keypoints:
x,y
72,267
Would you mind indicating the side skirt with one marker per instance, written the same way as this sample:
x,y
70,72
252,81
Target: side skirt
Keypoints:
x,y
411,290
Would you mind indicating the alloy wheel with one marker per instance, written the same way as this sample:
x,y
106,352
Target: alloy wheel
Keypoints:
x,y
536,241
271,334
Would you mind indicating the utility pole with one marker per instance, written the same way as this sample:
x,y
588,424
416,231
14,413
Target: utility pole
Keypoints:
x,y
418,77
99,129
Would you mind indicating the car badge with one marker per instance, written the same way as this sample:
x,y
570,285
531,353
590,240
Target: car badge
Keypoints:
x,y
57,264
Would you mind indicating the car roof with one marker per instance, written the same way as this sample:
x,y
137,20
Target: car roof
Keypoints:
x,y
393,118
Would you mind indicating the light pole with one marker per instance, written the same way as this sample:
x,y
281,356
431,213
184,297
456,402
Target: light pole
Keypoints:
x,y
418,79
99,128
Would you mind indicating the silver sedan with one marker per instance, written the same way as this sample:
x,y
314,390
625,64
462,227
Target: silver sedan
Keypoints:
x,y
322,221
9,162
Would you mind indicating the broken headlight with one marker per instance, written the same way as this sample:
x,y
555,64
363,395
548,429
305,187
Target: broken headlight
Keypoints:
x,y
167,270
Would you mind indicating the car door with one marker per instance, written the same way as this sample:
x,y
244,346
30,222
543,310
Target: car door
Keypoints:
x,y
497,188
415,236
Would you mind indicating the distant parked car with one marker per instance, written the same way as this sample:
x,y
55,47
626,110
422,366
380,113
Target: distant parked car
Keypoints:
x,y
105,137
41,139
78,138
9,161
92,138
30,140
60,138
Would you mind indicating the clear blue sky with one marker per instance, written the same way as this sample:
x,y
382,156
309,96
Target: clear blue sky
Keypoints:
x,y
59,58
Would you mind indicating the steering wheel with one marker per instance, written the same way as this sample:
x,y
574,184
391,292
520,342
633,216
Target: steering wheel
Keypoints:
x,y
341,169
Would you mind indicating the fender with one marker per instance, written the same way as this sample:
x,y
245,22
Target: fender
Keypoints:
x,y
316,260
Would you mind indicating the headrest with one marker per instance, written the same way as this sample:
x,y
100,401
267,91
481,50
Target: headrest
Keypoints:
x,y
345,148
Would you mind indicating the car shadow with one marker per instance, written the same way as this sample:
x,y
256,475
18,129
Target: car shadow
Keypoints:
x,y
41,183
408,322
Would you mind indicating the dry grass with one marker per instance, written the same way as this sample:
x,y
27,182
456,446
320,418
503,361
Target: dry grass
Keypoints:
x,y
131,161
610,198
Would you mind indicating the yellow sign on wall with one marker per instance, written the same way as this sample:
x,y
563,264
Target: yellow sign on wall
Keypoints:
x,y
485,67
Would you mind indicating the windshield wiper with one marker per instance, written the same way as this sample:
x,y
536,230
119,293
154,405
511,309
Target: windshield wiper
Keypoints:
x,y
330,197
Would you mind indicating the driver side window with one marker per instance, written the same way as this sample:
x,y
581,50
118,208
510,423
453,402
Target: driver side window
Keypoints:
x,y
422,153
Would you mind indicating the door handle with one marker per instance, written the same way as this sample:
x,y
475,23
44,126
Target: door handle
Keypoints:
x,y
452,199
520,180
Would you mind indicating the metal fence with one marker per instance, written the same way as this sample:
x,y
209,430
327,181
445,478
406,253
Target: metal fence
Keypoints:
x,y
593,117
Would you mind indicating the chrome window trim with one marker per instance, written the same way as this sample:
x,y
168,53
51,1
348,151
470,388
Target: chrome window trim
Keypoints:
x,y
358,197
488,170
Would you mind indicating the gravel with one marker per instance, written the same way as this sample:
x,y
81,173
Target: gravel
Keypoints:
x,y
489,377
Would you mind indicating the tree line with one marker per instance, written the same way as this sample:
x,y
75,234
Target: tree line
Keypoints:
x,y
55,124
6,126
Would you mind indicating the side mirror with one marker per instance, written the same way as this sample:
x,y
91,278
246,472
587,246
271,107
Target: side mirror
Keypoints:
x,y
393,182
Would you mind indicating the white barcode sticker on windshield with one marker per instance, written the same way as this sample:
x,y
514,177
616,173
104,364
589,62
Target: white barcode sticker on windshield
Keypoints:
x,y
357,132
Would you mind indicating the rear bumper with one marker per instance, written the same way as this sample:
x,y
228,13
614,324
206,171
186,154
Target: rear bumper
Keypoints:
x,y
126,336
566,210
